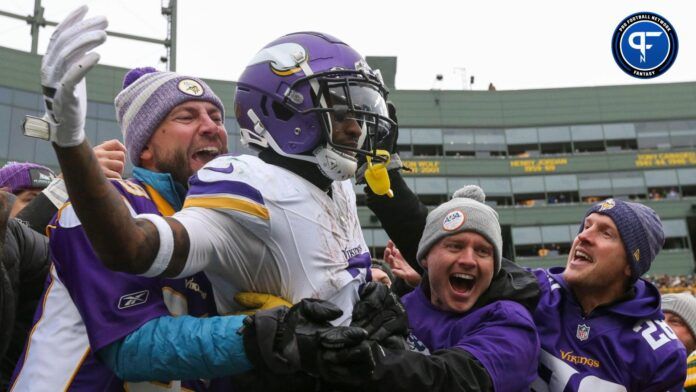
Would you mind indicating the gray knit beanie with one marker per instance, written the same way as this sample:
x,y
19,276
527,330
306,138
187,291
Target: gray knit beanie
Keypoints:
x,y
147,98
465,212
684,306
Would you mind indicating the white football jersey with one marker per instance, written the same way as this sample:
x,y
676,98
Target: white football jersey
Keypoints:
x,y
261,228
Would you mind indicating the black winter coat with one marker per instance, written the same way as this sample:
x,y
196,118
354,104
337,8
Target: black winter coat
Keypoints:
x,y
24,264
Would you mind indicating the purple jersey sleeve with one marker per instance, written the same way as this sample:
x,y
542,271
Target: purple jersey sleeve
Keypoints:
x,y
111,304
670,371
505,341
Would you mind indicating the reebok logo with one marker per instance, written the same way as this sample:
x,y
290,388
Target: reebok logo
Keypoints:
x,y
133,299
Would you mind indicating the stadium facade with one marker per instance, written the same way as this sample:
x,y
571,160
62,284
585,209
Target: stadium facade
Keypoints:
x,y
540,155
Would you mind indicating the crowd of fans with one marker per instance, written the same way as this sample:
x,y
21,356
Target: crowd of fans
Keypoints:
x,y
673,283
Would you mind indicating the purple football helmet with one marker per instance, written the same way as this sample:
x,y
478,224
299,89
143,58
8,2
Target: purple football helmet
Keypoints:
x,y
297,87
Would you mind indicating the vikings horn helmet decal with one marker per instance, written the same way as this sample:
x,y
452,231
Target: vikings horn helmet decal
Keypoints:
x,y
297,88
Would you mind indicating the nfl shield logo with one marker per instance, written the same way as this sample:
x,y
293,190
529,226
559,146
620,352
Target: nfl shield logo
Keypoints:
x,y
583,332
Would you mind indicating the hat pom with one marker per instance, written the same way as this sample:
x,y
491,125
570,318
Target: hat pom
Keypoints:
x,y
135,73
470,192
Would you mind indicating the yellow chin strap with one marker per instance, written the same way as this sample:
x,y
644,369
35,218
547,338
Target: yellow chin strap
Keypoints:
x,y
376,175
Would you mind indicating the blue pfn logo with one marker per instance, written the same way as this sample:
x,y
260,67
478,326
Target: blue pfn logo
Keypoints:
x,y
645,45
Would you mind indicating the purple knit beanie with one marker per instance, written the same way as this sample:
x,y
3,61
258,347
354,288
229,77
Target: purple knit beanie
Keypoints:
x,y
640,229
20,176
147,98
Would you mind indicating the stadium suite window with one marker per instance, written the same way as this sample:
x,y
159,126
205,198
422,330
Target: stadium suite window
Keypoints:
x,y
527,184
23,148
530,199
556,148
653,135
556,134
562,197
561,182
426,136
518,136
688,190
459,153
630,185
427,150
526,235
491,142
686,176
26,100
405,151
458,136
430,185
589,146
543,250
676,243
496,201
458,142
619,131
676,234
586,132
488,154
594,184
5,126
594,198
522,142
543,241
5,96
404,136
523,150
683,138
621,145
527,250
455,183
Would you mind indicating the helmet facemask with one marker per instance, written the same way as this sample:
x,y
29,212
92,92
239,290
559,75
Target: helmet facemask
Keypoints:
x,y
340,97
298,92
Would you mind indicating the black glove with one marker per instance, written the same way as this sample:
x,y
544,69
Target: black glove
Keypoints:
x,y
389,142
284,340
382,315
352,365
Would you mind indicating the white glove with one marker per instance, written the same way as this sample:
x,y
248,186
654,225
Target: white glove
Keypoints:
x,y
63,70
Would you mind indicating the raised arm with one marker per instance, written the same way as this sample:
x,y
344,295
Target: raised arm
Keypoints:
x,y
39,212
122,242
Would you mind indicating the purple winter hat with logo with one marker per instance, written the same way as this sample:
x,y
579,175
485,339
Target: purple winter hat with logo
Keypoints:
x,y
147,98
18,176
640,229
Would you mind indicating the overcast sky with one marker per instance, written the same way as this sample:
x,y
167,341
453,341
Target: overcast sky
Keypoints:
x,y
514,44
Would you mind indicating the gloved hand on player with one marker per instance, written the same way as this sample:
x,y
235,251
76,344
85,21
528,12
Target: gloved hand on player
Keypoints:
x,y
301,338
380,312
63,71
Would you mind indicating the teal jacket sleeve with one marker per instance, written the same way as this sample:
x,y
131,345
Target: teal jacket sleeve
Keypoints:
x,y
179,348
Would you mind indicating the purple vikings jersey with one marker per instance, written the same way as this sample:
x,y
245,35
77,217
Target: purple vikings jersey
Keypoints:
x,y
626,346
500,335
87,307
